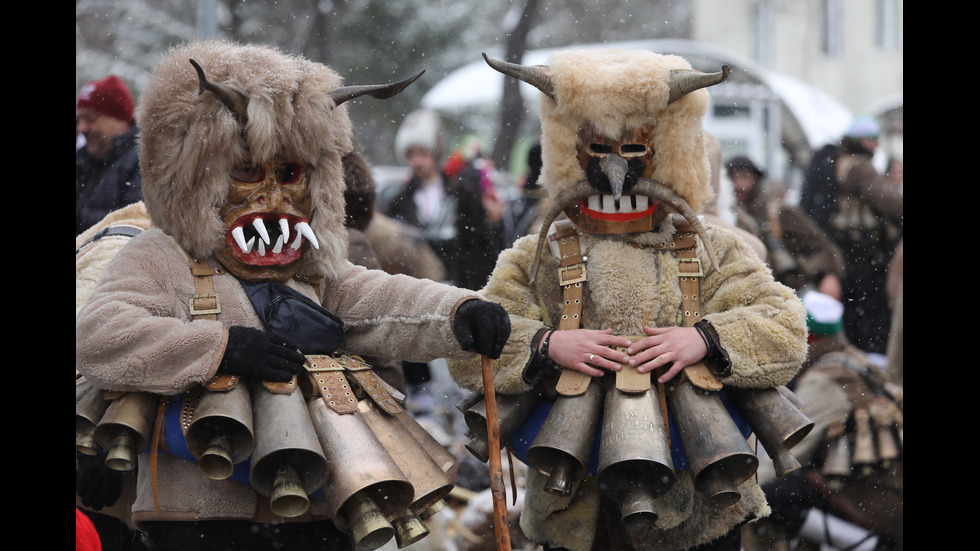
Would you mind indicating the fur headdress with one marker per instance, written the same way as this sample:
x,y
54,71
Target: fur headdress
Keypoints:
x,y
616,90
612,96
191,141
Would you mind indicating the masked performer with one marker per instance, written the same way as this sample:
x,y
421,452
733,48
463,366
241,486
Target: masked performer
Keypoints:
x,y
628,306
239,303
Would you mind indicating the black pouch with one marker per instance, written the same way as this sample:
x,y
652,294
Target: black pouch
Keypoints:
x,y
287,312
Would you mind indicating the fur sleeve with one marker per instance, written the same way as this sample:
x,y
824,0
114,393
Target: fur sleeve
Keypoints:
x,y
134,332
760,322
395,316
509,287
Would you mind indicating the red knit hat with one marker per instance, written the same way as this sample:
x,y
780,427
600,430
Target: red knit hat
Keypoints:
x,y
108,96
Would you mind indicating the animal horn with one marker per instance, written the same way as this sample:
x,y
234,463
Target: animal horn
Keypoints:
x,y
288,463
535,75
125,428
562,448
235,101
220,434
685,81
377,91
659,191
718,455
614,167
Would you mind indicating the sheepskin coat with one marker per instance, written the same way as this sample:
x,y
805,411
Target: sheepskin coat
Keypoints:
x,y
135,333
761,324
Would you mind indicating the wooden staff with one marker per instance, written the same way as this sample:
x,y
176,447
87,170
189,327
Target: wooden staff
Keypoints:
x,y
501,523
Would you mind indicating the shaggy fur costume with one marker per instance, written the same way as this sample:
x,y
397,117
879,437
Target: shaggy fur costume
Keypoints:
x,y
590,91
760,323
136,333
190,142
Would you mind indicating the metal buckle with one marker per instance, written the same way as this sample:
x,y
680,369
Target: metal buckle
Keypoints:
x,y
321,364
699,273
561,274
195,311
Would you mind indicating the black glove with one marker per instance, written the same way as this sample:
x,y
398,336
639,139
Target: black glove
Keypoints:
x,y
482,327
260,355
96,484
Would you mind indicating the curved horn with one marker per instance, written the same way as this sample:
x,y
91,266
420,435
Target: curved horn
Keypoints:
x,y
659,190
567,196
644,186
377,91
535,75
235,101
684,82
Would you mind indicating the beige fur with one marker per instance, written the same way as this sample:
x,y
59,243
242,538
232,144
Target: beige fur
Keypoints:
x,y
615,91
632,282
190,142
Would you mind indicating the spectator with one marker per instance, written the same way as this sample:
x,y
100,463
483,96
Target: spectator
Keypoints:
x,y
448,210
107,174
521,216
799,252
867,226
849,399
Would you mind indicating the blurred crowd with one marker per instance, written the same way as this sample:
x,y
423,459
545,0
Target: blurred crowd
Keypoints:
x,y
840,248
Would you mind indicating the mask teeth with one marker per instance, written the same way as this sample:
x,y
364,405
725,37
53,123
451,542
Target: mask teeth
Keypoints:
x,y
259,226
303,229
284,228
238,233
626,204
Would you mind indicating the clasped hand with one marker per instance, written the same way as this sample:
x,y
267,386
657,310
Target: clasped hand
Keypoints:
x,y
593,351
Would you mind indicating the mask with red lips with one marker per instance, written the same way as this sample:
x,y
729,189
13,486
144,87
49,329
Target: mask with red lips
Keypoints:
x,y
613,167
267,221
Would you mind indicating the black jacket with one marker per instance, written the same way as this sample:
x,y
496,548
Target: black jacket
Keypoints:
x,y
106,184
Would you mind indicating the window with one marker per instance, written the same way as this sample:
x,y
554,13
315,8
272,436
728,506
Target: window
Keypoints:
x,y
831,28
887,24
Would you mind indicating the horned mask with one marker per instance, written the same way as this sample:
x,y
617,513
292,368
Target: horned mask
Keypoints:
x,y
241,152
622,139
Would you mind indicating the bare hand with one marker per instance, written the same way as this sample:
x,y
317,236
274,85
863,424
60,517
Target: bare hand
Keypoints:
x,y
587,350
678,346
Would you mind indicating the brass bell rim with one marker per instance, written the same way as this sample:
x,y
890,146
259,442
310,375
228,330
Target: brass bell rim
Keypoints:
x,y
121,452
310,466
409,529
615,479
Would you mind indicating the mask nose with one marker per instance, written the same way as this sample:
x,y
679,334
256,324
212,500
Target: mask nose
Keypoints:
x,y
614,167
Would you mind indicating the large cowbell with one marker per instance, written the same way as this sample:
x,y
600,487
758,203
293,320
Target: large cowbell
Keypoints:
x,y
634,462
380,473
635,466
221,434
718,455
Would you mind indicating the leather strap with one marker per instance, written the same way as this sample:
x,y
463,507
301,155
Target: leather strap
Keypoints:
x,y
690,273
368,380
571,276
205,304
155,448
327,376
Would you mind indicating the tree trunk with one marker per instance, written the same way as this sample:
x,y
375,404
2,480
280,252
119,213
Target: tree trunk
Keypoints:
x,y
512,104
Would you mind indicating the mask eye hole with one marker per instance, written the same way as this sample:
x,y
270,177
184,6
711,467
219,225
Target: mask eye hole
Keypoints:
x,y
632,149
600,149
248,173
288,173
